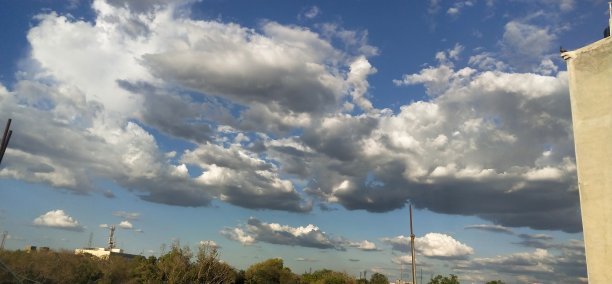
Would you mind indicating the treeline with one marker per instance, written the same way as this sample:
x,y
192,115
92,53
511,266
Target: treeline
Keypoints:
x,y
178,265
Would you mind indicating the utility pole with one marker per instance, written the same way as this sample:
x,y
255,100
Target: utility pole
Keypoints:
x,y
4,234
412,247
5,139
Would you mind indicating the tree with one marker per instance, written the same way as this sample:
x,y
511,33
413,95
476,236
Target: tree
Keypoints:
x,y
209,269
270,271
175,266
146,270
378,278
444,280
326,276
495,282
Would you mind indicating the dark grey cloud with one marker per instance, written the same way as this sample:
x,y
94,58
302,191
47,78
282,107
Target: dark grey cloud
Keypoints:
x,y
536,241
308,236
172,114
490,228
238,64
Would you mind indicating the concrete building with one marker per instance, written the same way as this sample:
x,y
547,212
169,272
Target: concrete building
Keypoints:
x,y
590,80
103,253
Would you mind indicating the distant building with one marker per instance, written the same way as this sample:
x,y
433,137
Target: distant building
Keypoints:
x,y
29,248
103,253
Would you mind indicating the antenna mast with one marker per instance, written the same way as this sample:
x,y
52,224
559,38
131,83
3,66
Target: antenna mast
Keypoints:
x,y
111,241
412,246
89,244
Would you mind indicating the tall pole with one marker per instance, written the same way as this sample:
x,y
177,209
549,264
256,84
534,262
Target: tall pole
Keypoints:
x,y
4,234
610,20
6,137
412,246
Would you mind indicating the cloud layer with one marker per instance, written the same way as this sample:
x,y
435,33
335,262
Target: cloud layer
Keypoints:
x,y
279,117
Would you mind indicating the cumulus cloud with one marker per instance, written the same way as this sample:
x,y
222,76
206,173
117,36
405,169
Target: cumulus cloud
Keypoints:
x,y
237,234
484,134
364,245
309,236
126,225
441,246
155,68
487,142
58,219
433,245
490,228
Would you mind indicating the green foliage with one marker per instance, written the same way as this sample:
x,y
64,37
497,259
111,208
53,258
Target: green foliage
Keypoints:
x,y
378,278
327,276
270,271
175,266
444,280
495,282
49,267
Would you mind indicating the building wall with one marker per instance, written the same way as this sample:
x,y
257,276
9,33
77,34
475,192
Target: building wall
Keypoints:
x,y
590,78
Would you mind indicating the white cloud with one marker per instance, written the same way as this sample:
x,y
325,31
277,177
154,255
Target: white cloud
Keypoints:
x,y
364,245
237,234
304,236
525,44
441,246
126,225
311,13
58,219
211,244
434,245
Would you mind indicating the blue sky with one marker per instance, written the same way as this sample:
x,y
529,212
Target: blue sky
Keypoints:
x,y
300,130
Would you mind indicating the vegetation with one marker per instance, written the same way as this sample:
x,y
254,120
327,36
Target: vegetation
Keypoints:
x,y
452,279
178,265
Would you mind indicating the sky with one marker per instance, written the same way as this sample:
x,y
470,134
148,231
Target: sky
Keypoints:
x,y
299,129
